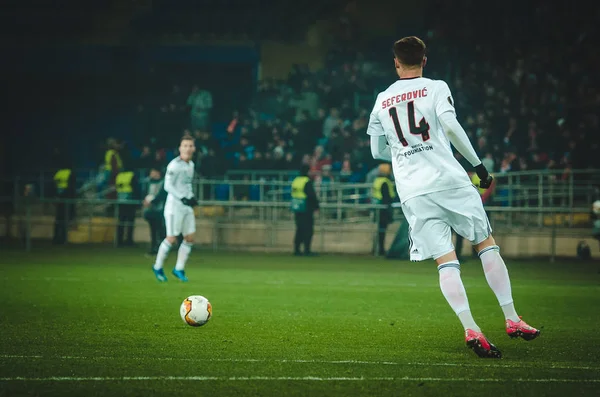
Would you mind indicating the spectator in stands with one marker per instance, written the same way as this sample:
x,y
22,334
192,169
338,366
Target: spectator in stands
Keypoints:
x,y
488,161
201,104
510,103
332,121
146,159
324,180
160,159
112,160
346,171
112,166
291,162
279,162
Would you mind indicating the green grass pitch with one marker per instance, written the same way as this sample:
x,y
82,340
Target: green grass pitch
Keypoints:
x,y
94,322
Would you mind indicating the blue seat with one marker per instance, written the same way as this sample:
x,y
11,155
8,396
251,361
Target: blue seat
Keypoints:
x,y
501,197
222,192
254,193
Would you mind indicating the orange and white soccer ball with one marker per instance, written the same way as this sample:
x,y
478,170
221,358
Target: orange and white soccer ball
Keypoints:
x,y
195,310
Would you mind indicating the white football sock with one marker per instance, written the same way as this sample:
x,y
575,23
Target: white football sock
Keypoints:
x,y
454,291
161,256
183,254
496,275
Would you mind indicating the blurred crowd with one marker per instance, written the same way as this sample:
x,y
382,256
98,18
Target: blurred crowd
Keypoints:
x,y
526,104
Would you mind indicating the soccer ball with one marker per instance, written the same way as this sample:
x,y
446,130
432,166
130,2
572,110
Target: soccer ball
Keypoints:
x,y
195,310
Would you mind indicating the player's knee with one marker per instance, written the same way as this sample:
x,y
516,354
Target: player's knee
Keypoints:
x,y
488,242
447,257
171,239
189,238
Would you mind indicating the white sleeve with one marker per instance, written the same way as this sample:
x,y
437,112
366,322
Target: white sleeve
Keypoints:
x,y
459,138
375,128
380,149
170,178
443,99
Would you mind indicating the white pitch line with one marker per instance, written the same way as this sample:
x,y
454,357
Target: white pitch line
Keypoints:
x,y
285,378
333,362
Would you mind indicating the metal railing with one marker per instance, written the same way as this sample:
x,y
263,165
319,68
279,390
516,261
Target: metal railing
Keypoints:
x,y
573,192
275,217
522,188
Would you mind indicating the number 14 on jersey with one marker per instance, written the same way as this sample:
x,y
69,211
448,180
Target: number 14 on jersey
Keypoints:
x,y
421,129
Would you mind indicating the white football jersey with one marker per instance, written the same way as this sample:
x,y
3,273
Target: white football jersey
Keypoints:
x,y
407,115
178,182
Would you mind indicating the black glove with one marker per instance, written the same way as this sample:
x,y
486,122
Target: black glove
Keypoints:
x,y
485,179
191,202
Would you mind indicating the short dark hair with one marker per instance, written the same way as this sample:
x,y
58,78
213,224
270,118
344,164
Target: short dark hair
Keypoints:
x,y
187,137
410,51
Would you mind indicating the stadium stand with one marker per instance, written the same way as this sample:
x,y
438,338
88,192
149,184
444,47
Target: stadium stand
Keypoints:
x,y
511,95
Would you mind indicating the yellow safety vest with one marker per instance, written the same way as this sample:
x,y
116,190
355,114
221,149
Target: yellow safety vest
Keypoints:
x,y
377,184
123,184
298,194
108,159
298,185
61,179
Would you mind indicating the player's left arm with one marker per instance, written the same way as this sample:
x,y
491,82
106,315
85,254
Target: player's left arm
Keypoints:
x,y
458,137
456,134
380,149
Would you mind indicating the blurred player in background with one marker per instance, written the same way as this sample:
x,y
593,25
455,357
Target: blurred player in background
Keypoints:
x,y
179,211
412,125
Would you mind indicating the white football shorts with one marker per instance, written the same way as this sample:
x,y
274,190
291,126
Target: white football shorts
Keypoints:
x,y
180,221
432,217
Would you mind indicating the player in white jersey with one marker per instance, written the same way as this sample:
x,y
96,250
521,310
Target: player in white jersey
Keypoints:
x,y
412,125
179,211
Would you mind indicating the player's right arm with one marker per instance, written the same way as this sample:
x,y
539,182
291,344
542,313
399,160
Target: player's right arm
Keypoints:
x,y
380,149
457,135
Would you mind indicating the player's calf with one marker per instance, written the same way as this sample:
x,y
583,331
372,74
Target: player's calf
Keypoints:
x,y
163,252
